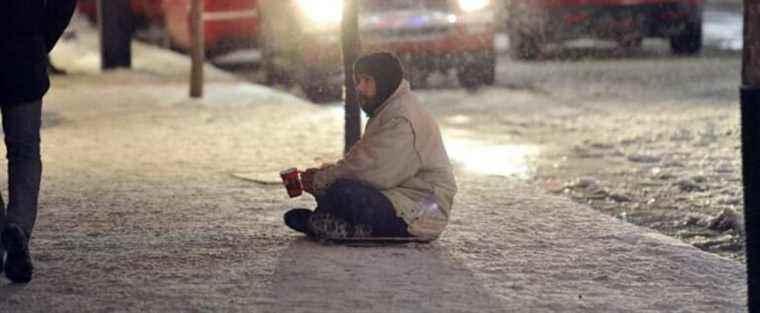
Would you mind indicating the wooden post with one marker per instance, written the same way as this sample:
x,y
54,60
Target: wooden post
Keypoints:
x,y
116,24
351,50
750,119
751,68
197,53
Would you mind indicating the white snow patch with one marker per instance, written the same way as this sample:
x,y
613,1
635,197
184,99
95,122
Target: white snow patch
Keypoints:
x,y
243,93
239,57
225,94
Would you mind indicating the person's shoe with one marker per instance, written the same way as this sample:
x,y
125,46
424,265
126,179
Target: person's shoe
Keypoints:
x,y
296,219
18,265
325,226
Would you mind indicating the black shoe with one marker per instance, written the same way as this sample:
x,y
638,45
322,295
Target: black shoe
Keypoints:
x,y
296,219
18,266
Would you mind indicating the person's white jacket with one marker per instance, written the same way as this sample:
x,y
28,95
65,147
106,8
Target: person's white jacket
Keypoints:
x,y
402,154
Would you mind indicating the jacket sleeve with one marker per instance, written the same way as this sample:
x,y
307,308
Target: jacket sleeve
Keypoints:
x,y
384,158
57,17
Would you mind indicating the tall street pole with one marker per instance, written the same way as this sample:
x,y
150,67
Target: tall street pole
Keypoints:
x,y
116,25
351,49
197,50
750,119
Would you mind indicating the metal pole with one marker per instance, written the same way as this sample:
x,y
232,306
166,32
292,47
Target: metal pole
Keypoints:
x,y
750,119
351,49
198,47
116,24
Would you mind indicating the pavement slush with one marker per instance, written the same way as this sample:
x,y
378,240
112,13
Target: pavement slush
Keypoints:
x,y
155,216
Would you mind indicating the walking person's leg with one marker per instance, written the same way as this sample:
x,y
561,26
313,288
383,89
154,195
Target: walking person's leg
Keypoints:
x,y
2,223
21,125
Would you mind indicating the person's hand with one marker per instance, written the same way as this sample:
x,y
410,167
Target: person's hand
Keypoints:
x,y
307,180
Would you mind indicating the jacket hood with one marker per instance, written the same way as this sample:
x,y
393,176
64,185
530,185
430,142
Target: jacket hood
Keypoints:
x,y
402,89
388,73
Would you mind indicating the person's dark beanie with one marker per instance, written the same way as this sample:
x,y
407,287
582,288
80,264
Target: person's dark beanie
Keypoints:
x,y
385,68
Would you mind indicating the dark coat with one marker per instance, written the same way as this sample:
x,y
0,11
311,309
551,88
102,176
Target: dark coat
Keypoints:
x,y
28,31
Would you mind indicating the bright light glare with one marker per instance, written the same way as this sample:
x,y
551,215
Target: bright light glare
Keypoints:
x,y
323,11
472,5
483,158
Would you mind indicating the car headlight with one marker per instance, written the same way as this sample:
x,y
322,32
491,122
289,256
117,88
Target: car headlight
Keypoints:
x,y
473,5
322,11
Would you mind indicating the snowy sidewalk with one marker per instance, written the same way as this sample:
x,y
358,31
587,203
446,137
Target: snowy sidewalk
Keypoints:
x,y
142,212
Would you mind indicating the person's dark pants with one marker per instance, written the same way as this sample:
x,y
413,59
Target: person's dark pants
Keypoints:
x,y
363,206
21,126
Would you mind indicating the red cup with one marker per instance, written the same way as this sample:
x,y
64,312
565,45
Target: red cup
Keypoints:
x,y
292,180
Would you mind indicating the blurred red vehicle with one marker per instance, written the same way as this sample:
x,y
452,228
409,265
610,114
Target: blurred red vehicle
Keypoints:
x,y
533,23
300,40
145,10
228,24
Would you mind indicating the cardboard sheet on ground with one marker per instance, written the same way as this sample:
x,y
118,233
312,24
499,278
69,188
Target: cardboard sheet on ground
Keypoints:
x,y
271,178
373,241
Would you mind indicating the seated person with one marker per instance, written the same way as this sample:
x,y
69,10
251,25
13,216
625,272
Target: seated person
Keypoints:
x,y
396,181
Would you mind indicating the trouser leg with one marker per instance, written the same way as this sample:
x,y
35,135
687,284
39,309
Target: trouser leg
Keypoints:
x,y
363,207
21,125
2,225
